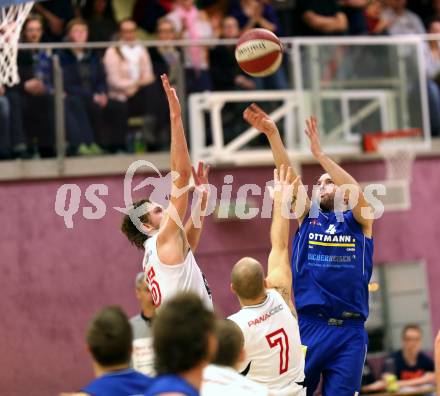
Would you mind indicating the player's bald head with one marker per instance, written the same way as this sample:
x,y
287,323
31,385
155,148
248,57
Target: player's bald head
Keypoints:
x,y
247,278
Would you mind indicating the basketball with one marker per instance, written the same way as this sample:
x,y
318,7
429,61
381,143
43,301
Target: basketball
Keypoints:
x,y
259,52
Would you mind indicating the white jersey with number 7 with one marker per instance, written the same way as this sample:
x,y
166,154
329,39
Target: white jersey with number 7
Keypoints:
x,y
165,281
272,344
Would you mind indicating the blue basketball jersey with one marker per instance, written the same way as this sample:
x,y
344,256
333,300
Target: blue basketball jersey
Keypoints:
x,y
331,264
171,383
119,383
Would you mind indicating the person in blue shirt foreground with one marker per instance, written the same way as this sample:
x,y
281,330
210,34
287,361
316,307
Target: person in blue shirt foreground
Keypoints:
x,y
109,341
184,343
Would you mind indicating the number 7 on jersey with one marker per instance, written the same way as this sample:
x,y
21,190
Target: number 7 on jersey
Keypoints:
x,y
279,338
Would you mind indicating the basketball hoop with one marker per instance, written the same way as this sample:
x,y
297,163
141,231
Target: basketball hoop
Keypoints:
x,y
12,18
399,155
398,148
399,158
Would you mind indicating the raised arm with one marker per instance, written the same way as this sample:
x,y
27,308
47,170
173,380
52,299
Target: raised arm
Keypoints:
x,y
201,193
339,176
171,234
279,273
256,117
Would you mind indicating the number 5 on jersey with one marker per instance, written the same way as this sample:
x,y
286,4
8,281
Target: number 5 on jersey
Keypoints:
x,y
154,287
279,338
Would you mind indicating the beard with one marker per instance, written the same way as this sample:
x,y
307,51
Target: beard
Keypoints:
x,y
327,203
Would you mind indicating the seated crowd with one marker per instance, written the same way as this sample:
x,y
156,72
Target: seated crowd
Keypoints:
x,y
106,89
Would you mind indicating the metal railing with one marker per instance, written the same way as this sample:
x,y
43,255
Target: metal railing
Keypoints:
x,y
398,100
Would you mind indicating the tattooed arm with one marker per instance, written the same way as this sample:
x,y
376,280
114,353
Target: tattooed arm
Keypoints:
x,y
279,273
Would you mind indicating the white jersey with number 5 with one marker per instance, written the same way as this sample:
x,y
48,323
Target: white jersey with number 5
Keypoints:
x,y
165,281
272,344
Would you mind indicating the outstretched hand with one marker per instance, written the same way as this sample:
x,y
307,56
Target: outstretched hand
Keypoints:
x,y
284,189
201,182
312,134
173,100
256,117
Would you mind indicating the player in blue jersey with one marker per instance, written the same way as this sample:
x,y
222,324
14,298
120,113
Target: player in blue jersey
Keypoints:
x,y
184,343
332,261
109,341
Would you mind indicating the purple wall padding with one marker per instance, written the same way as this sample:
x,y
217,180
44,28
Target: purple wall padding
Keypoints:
x,y
54,279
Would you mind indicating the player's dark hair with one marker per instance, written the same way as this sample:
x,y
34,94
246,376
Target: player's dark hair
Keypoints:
x,y
411,326
230,343
110,337
181,332
135,236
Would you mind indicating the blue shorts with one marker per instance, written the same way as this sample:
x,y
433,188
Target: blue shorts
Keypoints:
x,y
335,349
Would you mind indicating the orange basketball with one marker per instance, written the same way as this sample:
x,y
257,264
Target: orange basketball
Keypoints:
x,y
259,52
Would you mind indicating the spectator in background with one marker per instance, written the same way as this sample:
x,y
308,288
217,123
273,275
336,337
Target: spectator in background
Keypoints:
x,y
432,62
109,341
100,19
146,13
410,365
252,14
36,88
85,81
192,24
221,377
165,58
184,344
130,76
131,80
320,18
37,96
143,356
376,24
401,20
216,17
12,137
354,10
56,14
225,72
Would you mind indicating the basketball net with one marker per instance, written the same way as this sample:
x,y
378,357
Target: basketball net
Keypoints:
x,y
12,18
399,158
